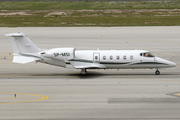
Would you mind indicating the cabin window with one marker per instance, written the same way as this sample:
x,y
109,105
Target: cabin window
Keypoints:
x,y
124,57
111,57
104,57
96,57
131,57
117,57
140,54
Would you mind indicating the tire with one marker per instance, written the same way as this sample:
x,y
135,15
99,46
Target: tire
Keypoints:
x,y
157,72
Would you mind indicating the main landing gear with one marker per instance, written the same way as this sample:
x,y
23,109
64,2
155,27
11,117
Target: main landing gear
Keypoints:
x,y
157,72
83,71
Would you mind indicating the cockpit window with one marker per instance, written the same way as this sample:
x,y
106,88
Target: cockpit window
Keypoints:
x,y
147,54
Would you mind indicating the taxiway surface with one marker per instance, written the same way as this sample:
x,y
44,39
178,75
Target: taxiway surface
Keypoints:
x,y
49,92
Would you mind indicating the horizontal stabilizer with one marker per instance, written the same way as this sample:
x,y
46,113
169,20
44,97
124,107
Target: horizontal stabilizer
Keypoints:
x,y
15,35
23,60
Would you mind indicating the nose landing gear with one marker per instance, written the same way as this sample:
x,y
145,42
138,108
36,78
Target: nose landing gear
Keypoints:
x,y
157,72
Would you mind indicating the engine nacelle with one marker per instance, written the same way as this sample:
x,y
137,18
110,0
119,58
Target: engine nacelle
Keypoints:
x,y
60,53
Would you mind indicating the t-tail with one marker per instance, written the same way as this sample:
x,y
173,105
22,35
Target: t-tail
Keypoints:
x,y
24,50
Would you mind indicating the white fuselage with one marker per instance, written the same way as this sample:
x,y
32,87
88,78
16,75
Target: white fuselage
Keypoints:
x,y
112,59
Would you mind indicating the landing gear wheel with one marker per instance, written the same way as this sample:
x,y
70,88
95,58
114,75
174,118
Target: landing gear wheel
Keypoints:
x,y
157,72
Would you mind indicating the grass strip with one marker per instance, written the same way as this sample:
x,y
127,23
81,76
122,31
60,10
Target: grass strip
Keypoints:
x,y
90,18
85,5
114,13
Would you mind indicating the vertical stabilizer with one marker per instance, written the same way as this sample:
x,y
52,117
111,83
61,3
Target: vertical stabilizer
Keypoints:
x,y
22,44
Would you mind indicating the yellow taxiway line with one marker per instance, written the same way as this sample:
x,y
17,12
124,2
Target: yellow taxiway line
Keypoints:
x,y
38,96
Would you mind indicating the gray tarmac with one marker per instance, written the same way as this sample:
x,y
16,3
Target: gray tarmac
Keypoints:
x,y
50,92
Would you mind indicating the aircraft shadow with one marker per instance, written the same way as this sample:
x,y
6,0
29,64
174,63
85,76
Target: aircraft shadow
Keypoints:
x,y
92,75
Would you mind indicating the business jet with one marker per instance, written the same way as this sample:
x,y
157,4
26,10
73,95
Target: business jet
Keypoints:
x,y
25,51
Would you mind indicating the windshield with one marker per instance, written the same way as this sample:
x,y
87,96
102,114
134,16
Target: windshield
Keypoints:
x,y
147,54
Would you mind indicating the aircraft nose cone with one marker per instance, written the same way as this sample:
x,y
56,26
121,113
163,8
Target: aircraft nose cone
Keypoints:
x,y
172,64
169,63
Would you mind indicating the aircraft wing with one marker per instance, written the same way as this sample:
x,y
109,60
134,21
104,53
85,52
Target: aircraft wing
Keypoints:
x,y
78,65
86,66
